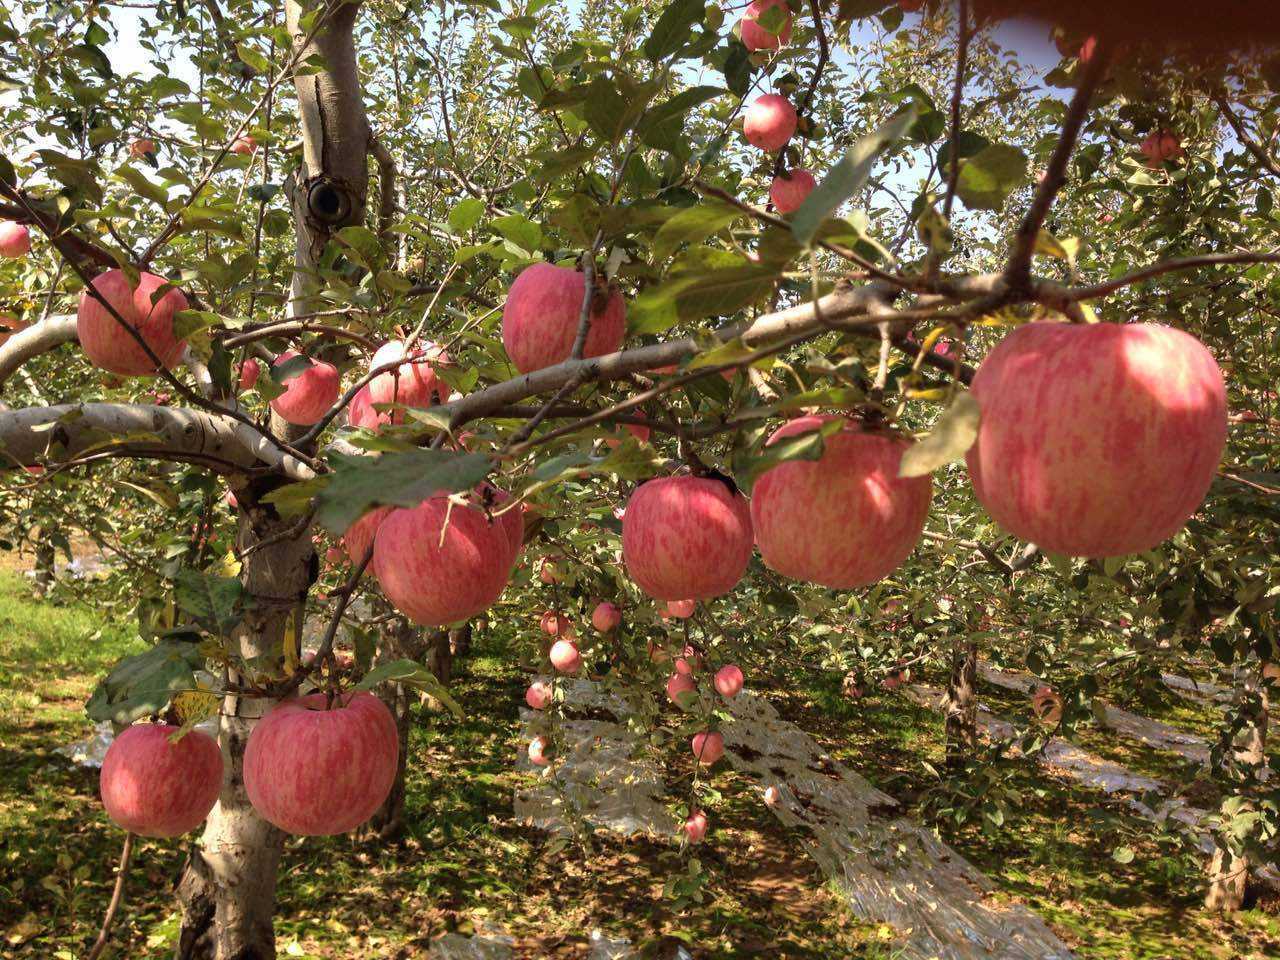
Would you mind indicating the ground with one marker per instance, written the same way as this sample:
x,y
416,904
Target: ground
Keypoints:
x,y
467,866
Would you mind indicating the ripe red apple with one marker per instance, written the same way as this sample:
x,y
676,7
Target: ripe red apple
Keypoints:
x,y
845,520
1161,145
565,656
549,571
896,678
511,520
334,555
686,537
555,624
307,396
695,827
756,37
679,609
155,788
232,502
1046,705
244,144
790,189
677,684
606,617
1096,440
108,345
9,325
639,431
413,383
359,536
142,147
538,748
1271,671
770,122
315,769
708,747
538,695
728,681
437,573
772,795
15,239
250,370
540,319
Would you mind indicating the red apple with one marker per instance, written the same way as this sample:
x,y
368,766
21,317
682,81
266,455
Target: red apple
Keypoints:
x,y
728,681
756,37
317,768
555,624
677,684
639,431
156,788
695,827
359,536
108,345
232,502
686,537
250,370
790,189
708,747
1161,145
9,325
679,609
540,319
308,395
511,520
606,617
845,520
565,656
412,384
244,144
772,795
770,122
435,572
1046,705
538,748
538,695
1096,440
142,147
15,240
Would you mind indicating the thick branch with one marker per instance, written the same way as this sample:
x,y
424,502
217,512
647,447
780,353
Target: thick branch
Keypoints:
x,y
35,340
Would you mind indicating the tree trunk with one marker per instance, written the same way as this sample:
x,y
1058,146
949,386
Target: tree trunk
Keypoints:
x,y
961,703
400,640
227,889
1230,870
44,566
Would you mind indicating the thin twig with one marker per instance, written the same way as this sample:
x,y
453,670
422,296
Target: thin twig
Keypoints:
x,y
957,97
117,896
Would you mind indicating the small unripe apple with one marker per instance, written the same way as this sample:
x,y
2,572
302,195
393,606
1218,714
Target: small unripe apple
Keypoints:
x,y
708,747
317,767
108,345
15,239
250,370
790,189
565,656
606,617
677,684
156,788
695,827
686,537
538,748
728,681
754,36
538,695
770,122
308,395
541,316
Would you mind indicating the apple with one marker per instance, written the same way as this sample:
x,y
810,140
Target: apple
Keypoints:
x,y
157,788
334,555
542,312
412,384
510,520
549,571
896,678
772,795
1271,671
728,681
15,240
565,656
538,695
911,6
790,189
606,617
677,684
708,747
309,395
438,563
108,345
754,36
232,502
846,519
1046,705
679,609
538,748
1096,440
244,144
250,370
1159,146
695,826
686,537
9,325
639,431
555,624
770,122
316,768
142,147
359,536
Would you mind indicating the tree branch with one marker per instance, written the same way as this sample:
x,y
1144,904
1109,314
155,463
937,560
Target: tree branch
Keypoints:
x,y
35,340
957,98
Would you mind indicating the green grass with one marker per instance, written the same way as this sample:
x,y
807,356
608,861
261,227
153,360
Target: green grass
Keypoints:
x,y
466,865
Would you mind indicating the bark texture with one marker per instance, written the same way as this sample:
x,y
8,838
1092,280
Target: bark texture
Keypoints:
x,y
962,703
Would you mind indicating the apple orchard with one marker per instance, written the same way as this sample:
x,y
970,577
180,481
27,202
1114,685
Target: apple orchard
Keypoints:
x,y
677,345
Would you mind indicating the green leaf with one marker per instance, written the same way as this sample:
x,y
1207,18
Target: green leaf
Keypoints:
x,y
692,225
703,283
187,322
466,213
403,479
733,351
662,124
521,28
363,242
248,55
802,446
411,674
144,187
674,28
847,177
952,436
988,177
143,683
520,230
216,603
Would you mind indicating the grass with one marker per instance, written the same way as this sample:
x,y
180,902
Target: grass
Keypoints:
x,y
466,866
